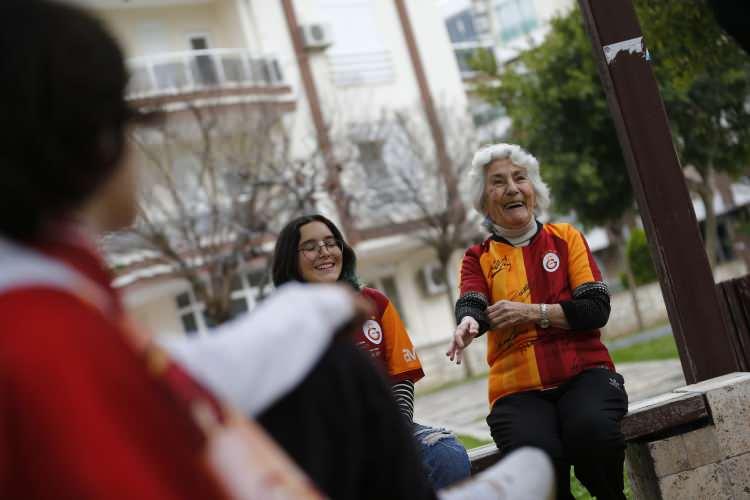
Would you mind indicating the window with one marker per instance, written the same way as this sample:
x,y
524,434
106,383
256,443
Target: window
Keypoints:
x,y
203,65
358,55
245,294
190,313
461,27
516,17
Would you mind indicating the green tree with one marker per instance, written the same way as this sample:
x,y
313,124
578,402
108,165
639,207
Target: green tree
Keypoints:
x,y
558,109
639,258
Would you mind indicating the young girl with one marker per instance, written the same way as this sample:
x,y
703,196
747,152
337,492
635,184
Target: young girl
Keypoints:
x,y
311,249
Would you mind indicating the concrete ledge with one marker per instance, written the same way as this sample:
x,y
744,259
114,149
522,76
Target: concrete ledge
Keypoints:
x,y
708,460
483,457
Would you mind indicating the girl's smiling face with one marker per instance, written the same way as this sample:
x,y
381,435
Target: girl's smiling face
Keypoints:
x,y
320,256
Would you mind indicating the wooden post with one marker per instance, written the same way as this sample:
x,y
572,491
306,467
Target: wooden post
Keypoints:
x,y
436,129
324,140
676,247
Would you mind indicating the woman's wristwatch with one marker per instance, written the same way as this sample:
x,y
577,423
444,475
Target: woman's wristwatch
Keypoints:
x,y
543,318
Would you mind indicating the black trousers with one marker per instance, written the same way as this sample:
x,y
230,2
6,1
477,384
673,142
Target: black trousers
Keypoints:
x,y
577,423
341,425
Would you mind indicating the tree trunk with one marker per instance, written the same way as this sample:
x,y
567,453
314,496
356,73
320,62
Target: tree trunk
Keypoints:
x,y
451,296
616,234
706,192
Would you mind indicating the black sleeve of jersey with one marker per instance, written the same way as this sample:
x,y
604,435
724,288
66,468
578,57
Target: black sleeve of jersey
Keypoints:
x,y
475,305
589,308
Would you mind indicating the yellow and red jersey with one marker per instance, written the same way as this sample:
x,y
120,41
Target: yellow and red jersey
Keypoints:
x,y
384,336
548,270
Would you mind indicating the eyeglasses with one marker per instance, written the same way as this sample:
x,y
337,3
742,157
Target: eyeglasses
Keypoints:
x,y
312,248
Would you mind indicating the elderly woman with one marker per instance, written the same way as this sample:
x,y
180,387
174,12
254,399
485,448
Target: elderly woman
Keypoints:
x,y
537,291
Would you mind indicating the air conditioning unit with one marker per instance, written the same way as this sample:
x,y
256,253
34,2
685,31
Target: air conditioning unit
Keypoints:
x,y
316,36
432,279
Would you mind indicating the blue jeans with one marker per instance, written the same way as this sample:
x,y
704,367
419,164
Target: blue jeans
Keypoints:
x,y
444,459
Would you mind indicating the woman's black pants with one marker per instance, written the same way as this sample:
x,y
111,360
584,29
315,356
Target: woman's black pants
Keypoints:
x,y
577,423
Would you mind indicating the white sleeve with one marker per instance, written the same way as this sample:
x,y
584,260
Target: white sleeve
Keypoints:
x,y
252,361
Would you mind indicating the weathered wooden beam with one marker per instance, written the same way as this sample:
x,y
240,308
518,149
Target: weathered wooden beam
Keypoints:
x,y
659,417
659,187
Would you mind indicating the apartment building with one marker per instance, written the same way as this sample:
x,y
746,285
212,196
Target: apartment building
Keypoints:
x,y
504,28
331,66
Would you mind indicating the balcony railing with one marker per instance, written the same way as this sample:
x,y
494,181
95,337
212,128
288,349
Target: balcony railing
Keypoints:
x,y
179,72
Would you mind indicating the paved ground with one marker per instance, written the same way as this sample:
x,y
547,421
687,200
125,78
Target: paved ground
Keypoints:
x,y
463,408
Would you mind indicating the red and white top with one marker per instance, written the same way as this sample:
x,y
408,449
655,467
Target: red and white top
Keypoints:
x,y
91,409
384,336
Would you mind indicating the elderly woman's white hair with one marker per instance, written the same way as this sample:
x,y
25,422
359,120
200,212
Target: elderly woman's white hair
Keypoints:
x,y
518,156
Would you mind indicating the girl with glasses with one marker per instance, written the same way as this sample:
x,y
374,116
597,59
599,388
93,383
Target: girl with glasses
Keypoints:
x,y
311,249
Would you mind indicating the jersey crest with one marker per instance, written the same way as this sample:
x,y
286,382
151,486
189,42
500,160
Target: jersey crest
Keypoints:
x,y
550,262
372,331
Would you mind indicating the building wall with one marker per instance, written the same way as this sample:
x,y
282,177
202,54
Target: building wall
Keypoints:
x,y
148,30
546,9
429,317
152,305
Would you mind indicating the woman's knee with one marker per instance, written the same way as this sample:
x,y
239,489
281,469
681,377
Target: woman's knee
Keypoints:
x,y
592,433
444,458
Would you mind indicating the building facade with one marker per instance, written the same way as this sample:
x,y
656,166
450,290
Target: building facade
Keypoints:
x,y
332,67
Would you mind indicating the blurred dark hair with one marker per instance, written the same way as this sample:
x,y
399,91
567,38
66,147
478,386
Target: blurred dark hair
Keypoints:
x,y
286,254
62,87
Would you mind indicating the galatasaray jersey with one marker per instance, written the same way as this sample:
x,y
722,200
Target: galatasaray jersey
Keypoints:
x,y
548,270
383,335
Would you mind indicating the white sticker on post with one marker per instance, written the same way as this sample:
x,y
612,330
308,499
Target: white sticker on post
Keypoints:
x,y
632,46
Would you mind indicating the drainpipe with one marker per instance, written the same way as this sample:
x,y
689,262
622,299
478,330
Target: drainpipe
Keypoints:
x,y
324,141
428,104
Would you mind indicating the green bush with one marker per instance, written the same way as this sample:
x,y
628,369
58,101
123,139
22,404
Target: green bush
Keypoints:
x,y
640,259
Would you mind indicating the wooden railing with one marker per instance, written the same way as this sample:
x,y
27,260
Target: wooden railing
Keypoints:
x,y
734,295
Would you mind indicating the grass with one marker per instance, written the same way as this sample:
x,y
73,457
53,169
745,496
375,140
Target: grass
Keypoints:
x,y
470,442
658,348
576,488
580,492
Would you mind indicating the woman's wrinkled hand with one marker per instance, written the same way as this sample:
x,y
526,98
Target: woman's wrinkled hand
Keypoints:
x,y
466,330
507,314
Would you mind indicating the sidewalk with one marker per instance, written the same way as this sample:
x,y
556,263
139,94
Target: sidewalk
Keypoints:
x,y
463,408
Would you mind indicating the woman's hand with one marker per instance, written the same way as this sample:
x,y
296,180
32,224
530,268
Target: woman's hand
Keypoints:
x,y
507,314
466,330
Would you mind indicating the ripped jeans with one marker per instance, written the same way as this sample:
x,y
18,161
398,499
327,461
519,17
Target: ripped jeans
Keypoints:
x,y
444,458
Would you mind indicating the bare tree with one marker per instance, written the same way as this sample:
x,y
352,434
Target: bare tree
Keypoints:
x,y
408,186
217,179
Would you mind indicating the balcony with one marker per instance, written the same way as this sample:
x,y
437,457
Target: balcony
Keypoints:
x,y
177,77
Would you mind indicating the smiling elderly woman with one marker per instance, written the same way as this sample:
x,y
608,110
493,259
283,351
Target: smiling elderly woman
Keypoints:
x,y
537,291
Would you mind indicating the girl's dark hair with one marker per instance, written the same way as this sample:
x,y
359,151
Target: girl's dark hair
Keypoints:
x,y
286,254
62,86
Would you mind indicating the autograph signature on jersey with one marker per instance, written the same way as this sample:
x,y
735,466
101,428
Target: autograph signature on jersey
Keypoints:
x,y
499,265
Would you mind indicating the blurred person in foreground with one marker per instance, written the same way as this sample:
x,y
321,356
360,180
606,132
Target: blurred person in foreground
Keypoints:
x,y
89,406
311,249
538,293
